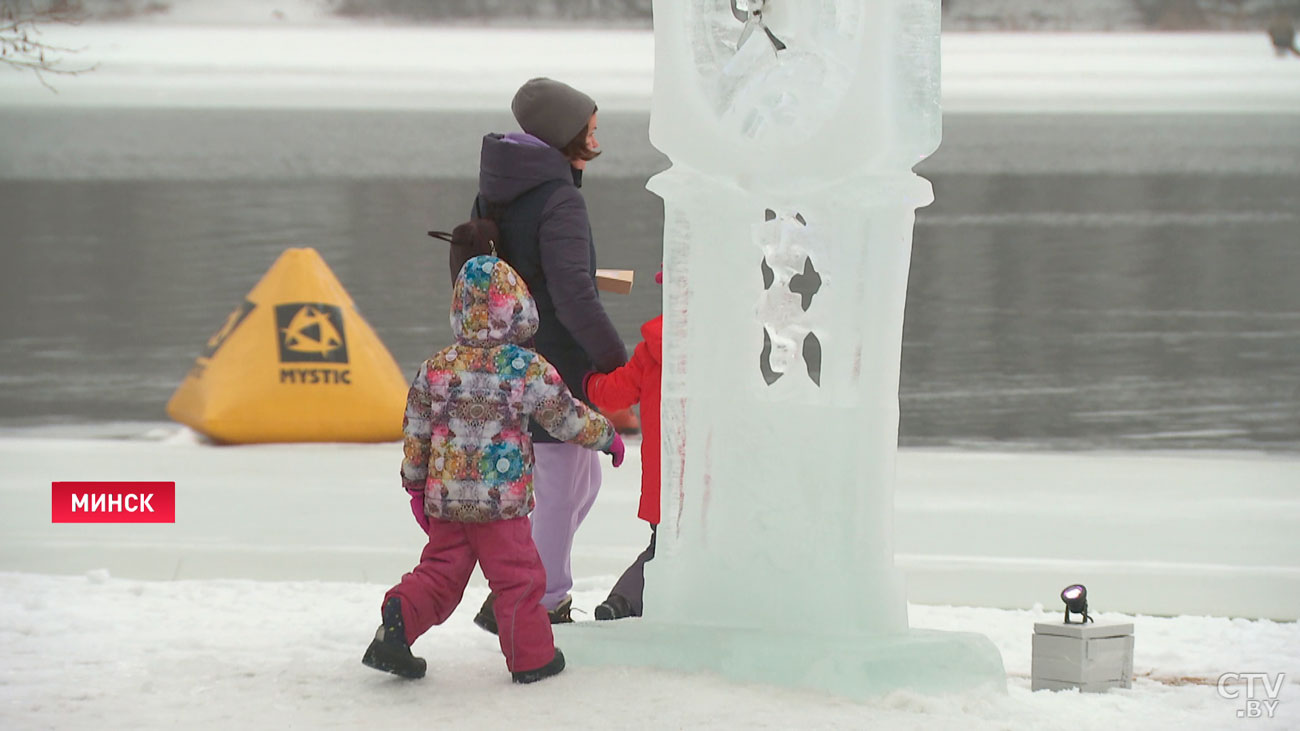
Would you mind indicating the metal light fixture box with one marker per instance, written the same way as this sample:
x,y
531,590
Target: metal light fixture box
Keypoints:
x,y
1091,657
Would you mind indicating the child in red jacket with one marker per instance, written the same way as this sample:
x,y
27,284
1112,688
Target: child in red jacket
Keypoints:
x,y
638,382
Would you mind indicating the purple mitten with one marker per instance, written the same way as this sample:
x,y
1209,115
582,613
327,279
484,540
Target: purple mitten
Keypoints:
x,y
615,449
417,509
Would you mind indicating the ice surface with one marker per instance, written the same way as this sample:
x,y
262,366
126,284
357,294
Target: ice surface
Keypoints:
x,y
972,528
314,62
787,237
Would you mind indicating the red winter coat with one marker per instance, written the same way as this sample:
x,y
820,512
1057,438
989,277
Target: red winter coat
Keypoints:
x,y
639,382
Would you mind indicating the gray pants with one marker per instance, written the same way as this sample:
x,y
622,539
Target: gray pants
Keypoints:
x,y
631,585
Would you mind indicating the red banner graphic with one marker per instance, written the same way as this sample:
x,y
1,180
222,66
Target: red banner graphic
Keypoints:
x,y
113,502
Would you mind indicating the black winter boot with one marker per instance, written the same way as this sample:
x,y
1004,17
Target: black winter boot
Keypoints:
x,y
389,651
551,668
488,620
614,607
485,617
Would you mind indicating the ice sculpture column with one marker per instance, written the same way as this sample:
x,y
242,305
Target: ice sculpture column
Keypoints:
x,y
792,126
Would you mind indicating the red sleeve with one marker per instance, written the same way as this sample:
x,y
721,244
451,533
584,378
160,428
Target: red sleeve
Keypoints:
x,y
621,387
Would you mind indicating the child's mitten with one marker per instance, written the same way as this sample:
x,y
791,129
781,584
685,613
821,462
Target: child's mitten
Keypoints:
x,y
615,449
417,509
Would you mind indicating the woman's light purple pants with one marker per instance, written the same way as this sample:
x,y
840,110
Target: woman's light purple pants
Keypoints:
x,y
566,479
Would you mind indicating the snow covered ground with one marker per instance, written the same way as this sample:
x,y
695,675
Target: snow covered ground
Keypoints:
x,y
252,609
96,652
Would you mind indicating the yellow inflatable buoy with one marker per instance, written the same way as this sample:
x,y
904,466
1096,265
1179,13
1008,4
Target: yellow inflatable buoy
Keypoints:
x,y
294,362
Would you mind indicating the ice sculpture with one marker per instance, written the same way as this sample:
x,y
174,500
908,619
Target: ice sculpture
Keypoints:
x,y
792,127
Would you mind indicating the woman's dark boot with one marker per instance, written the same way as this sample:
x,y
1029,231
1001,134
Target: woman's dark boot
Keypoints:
x,y
615,607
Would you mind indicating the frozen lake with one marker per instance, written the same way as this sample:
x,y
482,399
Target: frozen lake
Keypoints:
x,y
1117,281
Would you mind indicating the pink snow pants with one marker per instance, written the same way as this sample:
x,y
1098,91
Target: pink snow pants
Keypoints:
x,y
505,550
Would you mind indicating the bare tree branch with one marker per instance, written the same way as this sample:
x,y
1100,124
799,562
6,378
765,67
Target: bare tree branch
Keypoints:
x,y
22,46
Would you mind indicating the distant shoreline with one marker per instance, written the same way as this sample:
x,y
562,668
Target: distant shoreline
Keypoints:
x,y
150,65
1004,16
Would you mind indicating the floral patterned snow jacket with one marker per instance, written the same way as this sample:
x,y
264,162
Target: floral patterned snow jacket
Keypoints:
x,y
466,425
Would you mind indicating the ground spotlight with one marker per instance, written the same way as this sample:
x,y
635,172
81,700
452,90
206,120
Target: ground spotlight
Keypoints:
x,y
1075,597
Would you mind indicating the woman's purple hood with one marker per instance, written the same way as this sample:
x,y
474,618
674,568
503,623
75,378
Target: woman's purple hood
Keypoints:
x,y
512,164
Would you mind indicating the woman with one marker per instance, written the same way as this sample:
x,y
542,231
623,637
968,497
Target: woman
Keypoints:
x,y
529,183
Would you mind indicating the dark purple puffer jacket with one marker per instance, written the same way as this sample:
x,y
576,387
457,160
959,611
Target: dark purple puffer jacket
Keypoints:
x,y
533,193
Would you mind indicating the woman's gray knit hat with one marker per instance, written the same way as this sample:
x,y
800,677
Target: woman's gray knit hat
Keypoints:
x,y
552,111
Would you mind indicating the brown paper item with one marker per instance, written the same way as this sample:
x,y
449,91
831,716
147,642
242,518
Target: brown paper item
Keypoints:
x,y
618,281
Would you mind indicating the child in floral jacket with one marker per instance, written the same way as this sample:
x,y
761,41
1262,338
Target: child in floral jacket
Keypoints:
x,y
468,467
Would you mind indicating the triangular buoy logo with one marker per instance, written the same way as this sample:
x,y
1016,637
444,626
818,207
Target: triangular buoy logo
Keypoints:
x,y
311,332
294,362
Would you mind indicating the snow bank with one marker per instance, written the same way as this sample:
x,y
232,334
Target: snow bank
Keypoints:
x,y
356,65
1196,534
